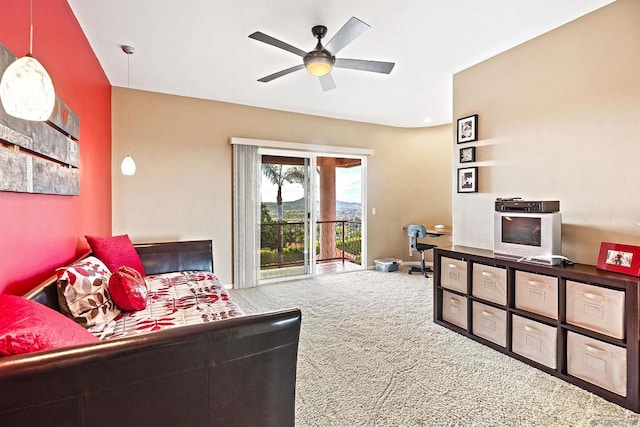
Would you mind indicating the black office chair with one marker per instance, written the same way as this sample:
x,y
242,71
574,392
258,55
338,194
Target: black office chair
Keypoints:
x,y
415,232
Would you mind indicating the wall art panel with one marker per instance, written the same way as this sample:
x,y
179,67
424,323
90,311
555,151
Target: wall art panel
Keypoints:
x,y
39,157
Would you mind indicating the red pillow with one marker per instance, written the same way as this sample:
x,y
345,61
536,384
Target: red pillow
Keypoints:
x,y
27,326
116,251
128,289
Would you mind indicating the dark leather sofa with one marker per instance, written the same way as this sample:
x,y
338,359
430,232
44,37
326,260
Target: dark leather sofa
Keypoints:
x,y
236,372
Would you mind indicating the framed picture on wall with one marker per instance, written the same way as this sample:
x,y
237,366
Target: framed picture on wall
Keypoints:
x,y
467,154
468,180
468,129
619,258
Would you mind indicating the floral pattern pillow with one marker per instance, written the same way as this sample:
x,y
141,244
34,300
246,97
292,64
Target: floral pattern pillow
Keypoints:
x,y
83,292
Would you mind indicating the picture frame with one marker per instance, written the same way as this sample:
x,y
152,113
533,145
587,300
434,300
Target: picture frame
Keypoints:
x,y
619,258
467,154
468,180
467,129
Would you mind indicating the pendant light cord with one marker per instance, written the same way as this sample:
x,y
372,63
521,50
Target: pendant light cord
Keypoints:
x,y
128,104
30,27
128,166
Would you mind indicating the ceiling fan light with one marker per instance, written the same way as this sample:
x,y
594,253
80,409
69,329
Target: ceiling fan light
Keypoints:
x,y
318,69
26,90
318,63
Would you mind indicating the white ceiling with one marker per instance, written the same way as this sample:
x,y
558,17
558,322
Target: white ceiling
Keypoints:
x,y
201,49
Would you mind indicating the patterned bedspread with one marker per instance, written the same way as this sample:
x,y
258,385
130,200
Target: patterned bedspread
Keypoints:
x,y
175,299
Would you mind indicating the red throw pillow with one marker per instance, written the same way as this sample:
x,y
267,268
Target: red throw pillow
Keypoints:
x,y
27,326
116,251
128,289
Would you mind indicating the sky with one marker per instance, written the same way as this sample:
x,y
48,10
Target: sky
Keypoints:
x,y
348,187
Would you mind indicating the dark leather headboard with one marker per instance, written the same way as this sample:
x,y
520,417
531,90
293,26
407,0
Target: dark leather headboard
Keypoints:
x,y
176,256
156,258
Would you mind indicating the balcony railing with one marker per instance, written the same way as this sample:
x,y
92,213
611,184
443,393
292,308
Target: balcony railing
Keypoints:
x,y
348,246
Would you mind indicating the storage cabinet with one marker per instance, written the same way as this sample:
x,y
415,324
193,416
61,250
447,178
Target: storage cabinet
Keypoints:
x,y
575,322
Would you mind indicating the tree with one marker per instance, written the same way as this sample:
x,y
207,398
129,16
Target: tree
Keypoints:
x,y
267,234
278,175
265,215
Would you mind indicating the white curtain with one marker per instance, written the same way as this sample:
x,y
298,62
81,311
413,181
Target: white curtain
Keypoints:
x,y
246,216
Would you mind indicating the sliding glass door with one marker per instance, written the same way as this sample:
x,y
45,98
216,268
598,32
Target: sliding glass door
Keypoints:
x,y
311,214
340,219
298,210
286,215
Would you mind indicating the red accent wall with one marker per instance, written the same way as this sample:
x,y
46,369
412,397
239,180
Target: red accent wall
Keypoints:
x,y
39,233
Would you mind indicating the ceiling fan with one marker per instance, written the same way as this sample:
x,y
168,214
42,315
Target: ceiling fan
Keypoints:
x,y
321,60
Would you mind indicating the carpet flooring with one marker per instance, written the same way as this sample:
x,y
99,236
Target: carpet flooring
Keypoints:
x,y
370,355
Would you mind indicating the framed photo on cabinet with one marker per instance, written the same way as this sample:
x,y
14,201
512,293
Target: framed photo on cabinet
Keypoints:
x,y
468,129
468,180
467,154
619,258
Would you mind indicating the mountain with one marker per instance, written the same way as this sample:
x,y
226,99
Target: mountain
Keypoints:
x,y
299,205
295,208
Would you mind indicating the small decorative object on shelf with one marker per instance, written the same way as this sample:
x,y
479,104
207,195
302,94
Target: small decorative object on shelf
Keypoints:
x,y
468,180
619,258
467,154
468,129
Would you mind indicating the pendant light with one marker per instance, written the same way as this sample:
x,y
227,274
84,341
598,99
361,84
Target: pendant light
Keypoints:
x,y
26,90
128,166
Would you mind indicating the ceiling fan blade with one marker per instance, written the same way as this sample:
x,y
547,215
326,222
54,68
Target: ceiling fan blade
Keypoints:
x,y
262,37
281,73
327,82
348,33
362,65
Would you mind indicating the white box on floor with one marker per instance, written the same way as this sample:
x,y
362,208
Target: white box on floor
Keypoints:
x,y
387,264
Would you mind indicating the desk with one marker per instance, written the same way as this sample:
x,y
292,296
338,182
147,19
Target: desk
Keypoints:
x,y
433,231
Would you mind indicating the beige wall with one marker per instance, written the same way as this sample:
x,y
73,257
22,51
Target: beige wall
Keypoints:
x,y
183,189
559,118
